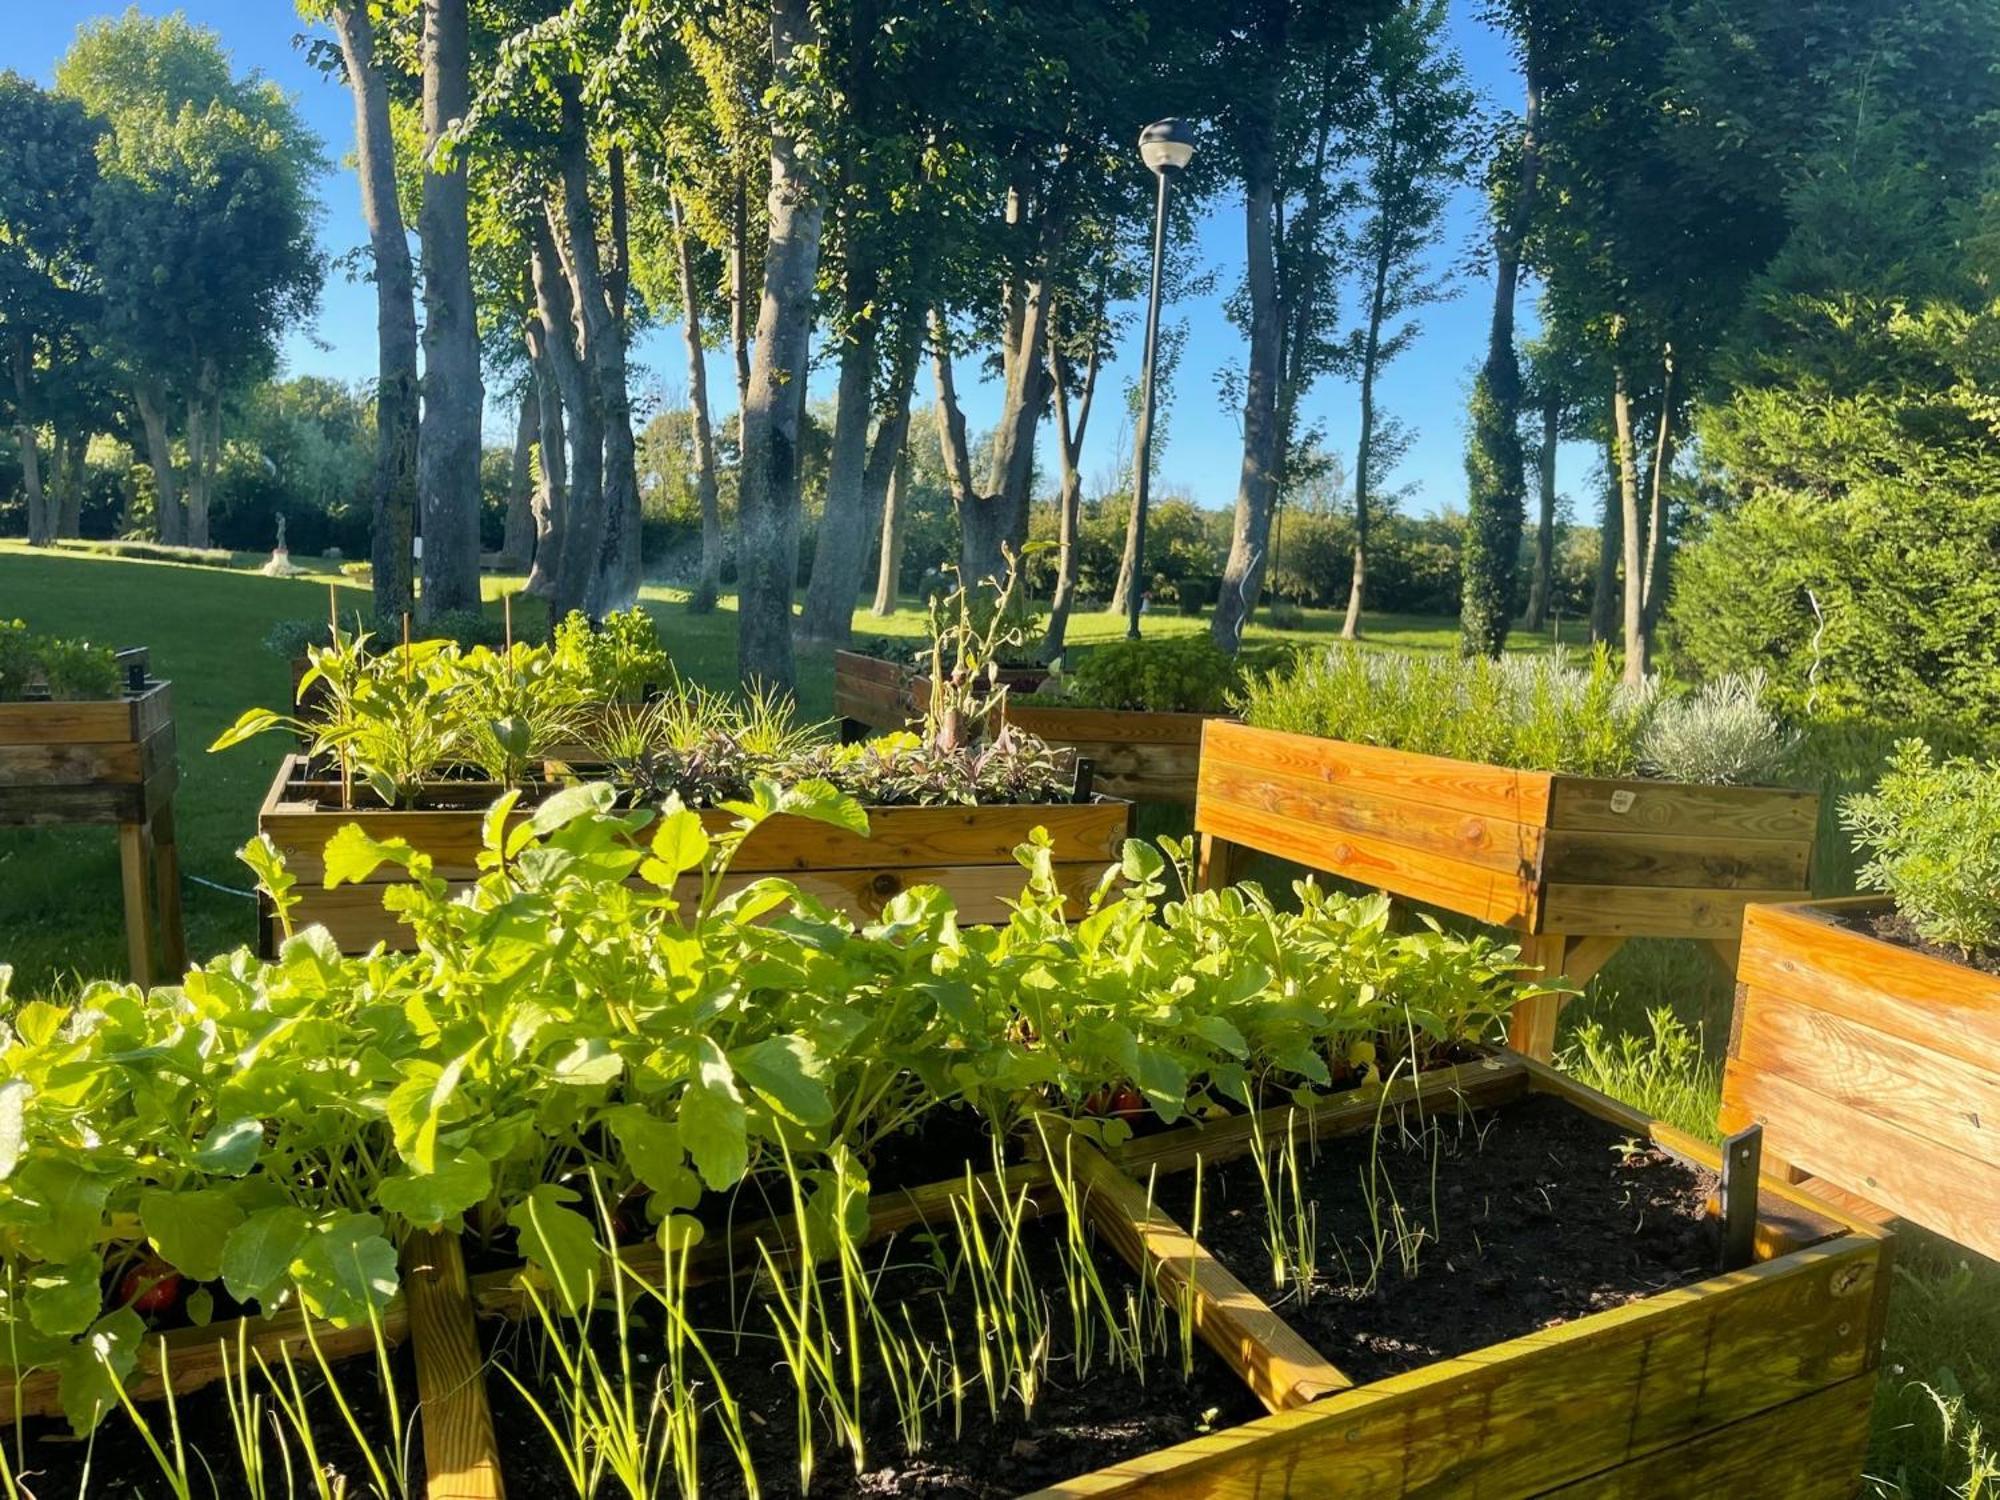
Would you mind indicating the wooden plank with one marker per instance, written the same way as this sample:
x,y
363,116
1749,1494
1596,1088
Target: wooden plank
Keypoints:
x,y
167,891
70,764
1141,772
1125,726
1875,1073
194,1357
1531,1025
1582,803
135,869
1484,894
1431,780
107,722
1279,1366
49,806
1453,1090
1554,1407
461,1455
1908,1173
1803,953
1814,1448
1650,911
1695,858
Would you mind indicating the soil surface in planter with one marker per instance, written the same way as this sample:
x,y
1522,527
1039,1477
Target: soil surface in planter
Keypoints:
x,y
1521,1218
1079,1424
1894,927
120,1464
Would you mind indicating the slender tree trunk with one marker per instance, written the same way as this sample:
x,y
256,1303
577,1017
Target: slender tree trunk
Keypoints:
x,y
517,544
1496,490
582,530
889,572
840,554
885,457
71,457
739,298
980,534
1635,534
1542,584
1364,447
169,520
393,506
1257,484
768,501
709,587
621,565
41,529
1070,432
197,474
448,436
1610,544
1659,544
552,465
1002,525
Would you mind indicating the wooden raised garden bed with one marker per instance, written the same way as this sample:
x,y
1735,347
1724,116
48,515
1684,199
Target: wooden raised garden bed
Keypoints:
x,y
1873,1066
110,762
1575,864
969,851
1757,1379
872,692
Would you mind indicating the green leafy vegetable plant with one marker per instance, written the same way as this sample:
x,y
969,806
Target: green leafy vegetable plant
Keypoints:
x,y
1931,834
54,667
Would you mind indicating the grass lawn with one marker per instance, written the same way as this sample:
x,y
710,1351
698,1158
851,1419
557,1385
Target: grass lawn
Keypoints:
x,y
60,920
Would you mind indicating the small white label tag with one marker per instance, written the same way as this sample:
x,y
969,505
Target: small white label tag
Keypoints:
x,y
1621,802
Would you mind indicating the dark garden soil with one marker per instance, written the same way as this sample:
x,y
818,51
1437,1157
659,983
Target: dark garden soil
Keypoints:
x,y
1080,1423
1531,1215
120,1464
1894,927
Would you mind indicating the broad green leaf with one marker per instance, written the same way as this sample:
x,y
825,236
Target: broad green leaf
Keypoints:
x,y
352,855
260,1251
64,1300
96,1366
493,826
253,722
560,1242
713,1122
416,1106
346,1268
590,1061
230,1148
821,801
59,1207
571,803
189,1229
38,1022
652,1148
429,1199
13,1112
781,1069
680,844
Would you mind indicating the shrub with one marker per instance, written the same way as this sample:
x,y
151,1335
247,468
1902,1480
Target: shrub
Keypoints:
x,y
53,666
203,557
1722,732
291,639
1187,674
1931,831
1282,614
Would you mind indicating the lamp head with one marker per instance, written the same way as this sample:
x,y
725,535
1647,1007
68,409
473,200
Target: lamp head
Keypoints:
x,y
1166,145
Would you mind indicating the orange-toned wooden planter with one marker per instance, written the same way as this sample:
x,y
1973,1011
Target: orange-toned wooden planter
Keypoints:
x,y
1148,757
1872,1066
107,763
969,851
1575,864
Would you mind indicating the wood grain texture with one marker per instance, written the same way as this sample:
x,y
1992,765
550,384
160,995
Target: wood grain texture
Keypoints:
x,y
1279,1366
1626,858
1068,726
1583,803
1651,911
1431,780
461,1455
1555,1407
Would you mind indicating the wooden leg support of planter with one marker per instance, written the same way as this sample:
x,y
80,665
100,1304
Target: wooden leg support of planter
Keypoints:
x,y
461,1455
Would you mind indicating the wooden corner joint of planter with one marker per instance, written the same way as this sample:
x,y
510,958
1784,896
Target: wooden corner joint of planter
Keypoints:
x,y
461,1453
1279,1366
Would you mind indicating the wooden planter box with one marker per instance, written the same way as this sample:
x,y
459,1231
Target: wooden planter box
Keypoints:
x,y
1143,756
1575,864
967,850
872,692
106,763
1873,1067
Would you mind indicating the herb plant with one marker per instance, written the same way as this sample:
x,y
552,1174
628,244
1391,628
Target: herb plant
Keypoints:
x,y
54,667
1931,833
1173,674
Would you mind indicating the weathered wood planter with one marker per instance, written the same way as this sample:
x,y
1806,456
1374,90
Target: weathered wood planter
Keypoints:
x,y
107,763
969,851
1574,864
1874,1067
1148,757
872,692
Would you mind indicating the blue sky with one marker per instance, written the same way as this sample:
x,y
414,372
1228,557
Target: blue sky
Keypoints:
x,y
1425,389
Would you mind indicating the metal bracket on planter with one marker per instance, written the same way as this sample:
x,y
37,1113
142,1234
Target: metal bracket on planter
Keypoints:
x,y
1742,1165
1086,773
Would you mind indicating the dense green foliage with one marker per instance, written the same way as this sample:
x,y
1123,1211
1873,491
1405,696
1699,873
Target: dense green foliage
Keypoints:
x,y
53,666
1534,713
1180,674
1931,834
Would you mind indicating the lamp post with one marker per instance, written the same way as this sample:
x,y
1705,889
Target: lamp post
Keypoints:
x,y
1166,147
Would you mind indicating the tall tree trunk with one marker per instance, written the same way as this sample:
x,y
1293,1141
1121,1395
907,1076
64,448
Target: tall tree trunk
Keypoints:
x,y
1496,490
889,570
448,445
980,533
582,529
621,566
1542,585
710,584
1634,527
1070,430
1659,544
1257,484
885,463
552,465
768,500
204,440
71,457
393,505
840,554
1610,545
739,299
1364,447
41,528
1013,468
169,520
517,539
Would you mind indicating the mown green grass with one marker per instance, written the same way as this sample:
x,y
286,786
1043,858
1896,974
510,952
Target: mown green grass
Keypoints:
x,y
60,921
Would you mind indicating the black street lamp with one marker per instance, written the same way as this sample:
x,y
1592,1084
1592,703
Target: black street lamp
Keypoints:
x,y
1166,146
